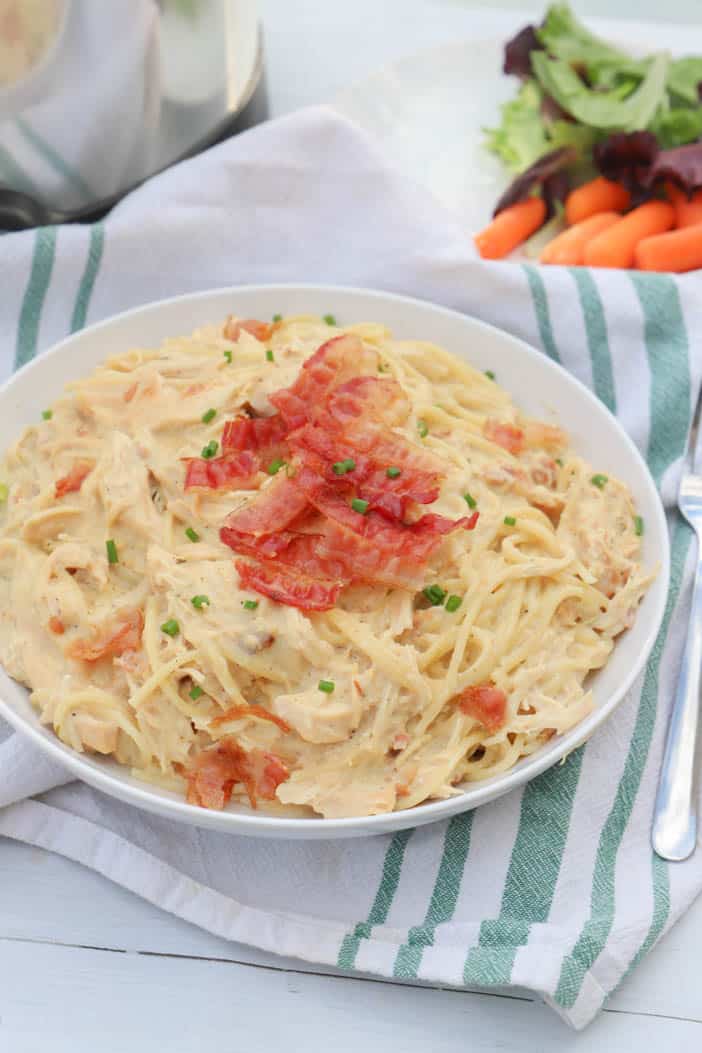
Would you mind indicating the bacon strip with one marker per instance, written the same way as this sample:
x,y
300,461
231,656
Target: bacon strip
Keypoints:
x,y
232,471
272,510
288,585
234,326
252,710
260,434
72,482
507,436
485,703
110,640
215,773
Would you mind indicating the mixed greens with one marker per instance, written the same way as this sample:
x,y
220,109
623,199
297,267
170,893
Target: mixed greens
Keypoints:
x,y
577,89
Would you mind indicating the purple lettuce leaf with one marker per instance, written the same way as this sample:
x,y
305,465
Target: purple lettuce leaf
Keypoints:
x,y
547,172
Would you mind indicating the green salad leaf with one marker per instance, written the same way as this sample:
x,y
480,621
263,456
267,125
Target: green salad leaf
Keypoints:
x,y
684,76
677,126
564,37
521,137
602,109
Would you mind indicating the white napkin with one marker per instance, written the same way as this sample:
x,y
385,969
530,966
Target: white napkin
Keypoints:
x,y
552,888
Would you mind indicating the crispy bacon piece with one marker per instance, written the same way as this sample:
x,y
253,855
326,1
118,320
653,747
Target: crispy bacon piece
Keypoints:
x,y
288,585
215,773
544,435
233,328
72,482
252,710
485,703
384,553
508,436
369,397
294,548
232,471
332,364
259,434
111,640
272,510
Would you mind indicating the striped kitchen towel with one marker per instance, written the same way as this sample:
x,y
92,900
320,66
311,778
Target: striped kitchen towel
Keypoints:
x,y
552,888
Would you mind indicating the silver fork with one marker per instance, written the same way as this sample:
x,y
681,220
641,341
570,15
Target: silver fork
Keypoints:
x,y
674,833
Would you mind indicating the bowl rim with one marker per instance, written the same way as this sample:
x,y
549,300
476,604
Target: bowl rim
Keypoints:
x,y
254,823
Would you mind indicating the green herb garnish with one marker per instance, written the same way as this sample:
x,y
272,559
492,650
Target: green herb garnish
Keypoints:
x,y
453,603
112,556
489,374
600,481
228,356
269,355
470,500
393,473
210,450
275,466
171,627
277,318
250,605
638,526
326,685
422,428
342,467
195,692
210,415
192,534
199,602
47,414
359,505
435,594
329,319
509,520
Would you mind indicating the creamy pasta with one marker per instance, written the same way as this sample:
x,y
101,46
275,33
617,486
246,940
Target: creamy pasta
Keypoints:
x,y
143,636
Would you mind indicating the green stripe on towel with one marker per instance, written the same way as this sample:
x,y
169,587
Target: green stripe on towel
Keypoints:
x,y
443,898
390,879
596,333
87,282
535,864
35,294
543,317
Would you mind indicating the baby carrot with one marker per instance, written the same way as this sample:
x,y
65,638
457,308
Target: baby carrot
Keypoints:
x,y
615,247
569,246
688,210
510,228
599,195
677,251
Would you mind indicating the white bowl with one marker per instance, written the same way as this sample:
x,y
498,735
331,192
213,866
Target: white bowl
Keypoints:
x,y
539,387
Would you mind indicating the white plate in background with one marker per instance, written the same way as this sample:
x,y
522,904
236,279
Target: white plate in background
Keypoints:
x,y
539,387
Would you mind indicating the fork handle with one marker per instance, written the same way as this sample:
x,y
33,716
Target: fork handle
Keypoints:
x,y
674,832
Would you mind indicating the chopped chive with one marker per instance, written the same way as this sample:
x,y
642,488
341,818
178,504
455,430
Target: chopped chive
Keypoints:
x,y
4,492
210,415
600,481
112,556
509,520
269,355
275,466
192,534
559,462
228,356
277,318
638,526
359,505
382,368
211,449
435,594
326,685
47,414
489,374
393,472
342,467
171,627
250,605
422,428
470,500
199,602
195,692
453,603
330,319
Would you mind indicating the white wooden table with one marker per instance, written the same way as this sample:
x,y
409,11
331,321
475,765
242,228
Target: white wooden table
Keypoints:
x,y
85,965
